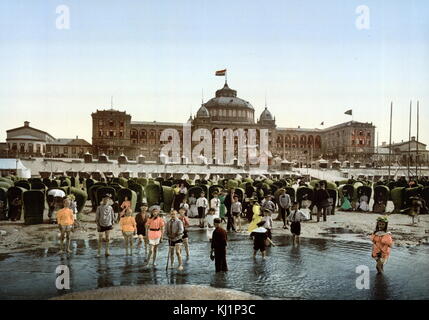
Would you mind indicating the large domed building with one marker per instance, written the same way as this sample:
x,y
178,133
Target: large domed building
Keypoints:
x,y
114,133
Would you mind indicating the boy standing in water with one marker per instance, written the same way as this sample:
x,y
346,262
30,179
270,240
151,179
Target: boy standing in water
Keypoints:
x,y
175,231
65,222
141,219
219,243
185,237
104,218
295,217
129,229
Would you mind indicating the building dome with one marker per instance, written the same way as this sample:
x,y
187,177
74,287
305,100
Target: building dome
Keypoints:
x,y
227,97
266,115
203,112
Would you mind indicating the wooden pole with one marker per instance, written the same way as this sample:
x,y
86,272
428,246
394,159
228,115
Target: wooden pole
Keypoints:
x,y
409,143
390,137
417,143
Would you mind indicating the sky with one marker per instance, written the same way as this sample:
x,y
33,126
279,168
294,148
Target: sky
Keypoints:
x,y
157,59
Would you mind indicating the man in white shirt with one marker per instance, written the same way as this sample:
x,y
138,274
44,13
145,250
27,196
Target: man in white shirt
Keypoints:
x,y
284,205
202,205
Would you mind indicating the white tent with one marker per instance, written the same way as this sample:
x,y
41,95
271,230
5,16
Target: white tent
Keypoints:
x,y
7,165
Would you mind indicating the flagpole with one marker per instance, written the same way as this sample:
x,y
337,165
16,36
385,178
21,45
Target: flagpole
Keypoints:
x,y
226,77
409,143
390,138
417,143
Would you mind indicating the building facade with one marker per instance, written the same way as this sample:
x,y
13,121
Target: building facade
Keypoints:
x,y
27,141
114,133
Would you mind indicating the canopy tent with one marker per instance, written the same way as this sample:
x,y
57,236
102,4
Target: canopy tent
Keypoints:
x,y
14,165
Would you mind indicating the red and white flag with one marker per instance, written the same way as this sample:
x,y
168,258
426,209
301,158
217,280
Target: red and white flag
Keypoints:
x,y
220,72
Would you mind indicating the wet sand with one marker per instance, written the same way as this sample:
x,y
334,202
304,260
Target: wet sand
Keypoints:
x,y
17,237
159,292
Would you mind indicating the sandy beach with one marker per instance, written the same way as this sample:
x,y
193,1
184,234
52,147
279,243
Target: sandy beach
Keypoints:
x,y
356,226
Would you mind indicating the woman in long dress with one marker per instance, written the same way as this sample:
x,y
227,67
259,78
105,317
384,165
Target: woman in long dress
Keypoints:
x,y
193,211
256,208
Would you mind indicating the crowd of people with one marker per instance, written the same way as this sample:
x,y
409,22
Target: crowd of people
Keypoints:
x,y
151,227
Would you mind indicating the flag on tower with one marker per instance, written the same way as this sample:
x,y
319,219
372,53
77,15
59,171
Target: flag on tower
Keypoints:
x,y
349,112
322,123
220,72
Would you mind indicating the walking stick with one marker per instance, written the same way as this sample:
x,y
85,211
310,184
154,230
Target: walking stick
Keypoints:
x,y
168,257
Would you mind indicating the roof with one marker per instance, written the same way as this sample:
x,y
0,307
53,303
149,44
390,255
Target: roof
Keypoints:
x,y
266,115
28,127
24,137
156,123
70,142
402,143
203,112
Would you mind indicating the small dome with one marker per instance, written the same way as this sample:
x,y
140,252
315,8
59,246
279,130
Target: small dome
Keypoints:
x,y
203,112
266,115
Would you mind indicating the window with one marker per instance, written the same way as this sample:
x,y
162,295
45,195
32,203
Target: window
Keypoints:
x,y
100,133
121,134
22,147
111,123
30,148
38,148
56,150
121,123
100,122
66,150
74,150
48,148
14,147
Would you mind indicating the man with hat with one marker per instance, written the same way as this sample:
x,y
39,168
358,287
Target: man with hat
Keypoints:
x,y
155,231
104,218
268,204
219,243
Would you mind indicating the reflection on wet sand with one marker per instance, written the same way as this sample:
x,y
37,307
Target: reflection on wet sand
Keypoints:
x,y
313,269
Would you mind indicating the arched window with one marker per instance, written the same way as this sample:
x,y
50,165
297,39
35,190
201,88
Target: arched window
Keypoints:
x,y
310,142
295,141
287,141
318,142
302,141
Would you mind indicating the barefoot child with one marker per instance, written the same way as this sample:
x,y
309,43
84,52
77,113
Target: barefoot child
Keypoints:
x,y
295,217
185,237
155,231
141,219
260,239
104,218
210,223
129,229
202,205
382,243
65,222
175,230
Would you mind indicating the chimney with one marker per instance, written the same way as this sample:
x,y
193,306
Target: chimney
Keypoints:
x,y
77,137
413,138
26,124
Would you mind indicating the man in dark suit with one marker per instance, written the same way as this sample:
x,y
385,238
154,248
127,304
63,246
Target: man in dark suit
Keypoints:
x,y
219,243
229,199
